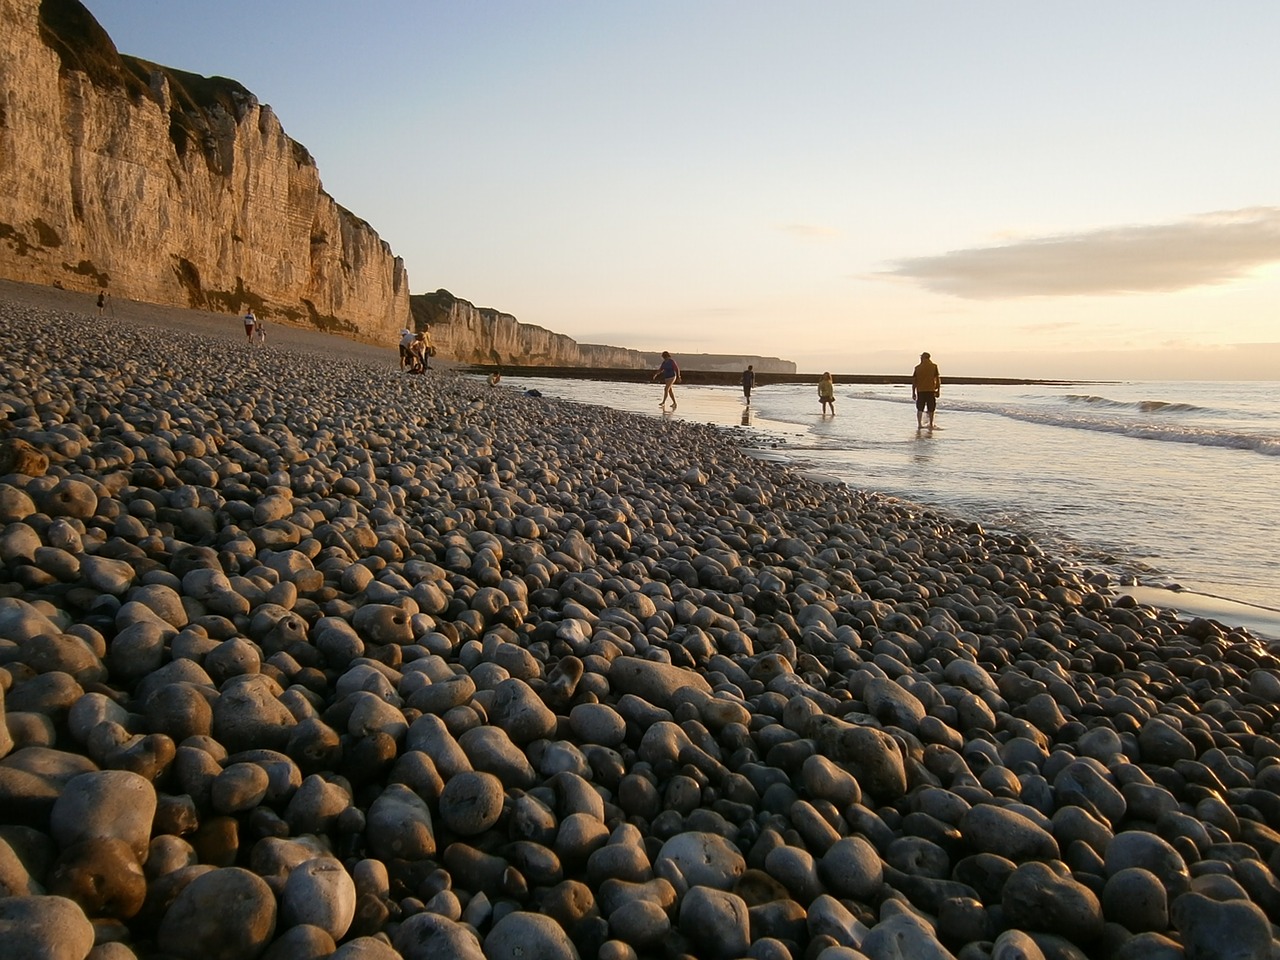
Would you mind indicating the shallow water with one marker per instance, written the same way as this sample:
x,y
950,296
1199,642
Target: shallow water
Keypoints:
x,y
1167,483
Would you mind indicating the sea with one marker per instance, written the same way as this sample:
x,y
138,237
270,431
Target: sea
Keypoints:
x,y
1172,487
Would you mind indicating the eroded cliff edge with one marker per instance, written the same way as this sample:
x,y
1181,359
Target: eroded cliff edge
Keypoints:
x,y
169,187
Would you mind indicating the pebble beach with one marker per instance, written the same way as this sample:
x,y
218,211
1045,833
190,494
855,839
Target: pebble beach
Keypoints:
x,y
305,657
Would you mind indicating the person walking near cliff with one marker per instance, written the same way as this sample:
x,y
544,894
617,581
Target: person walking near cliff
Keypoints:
x,y
926,385
259,331
428,348
827,393
748,381
250,323
669,374
102,301
420,353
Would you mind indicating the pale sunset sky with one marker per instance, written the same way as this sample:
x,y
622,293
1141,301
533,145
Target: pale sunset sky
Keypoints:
x,y
1028,189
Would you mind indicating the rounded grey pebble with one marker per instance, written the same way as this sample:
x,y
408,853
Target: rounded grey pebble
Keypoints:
x,y
366,948
427,936
225,914
108,804
319,893
1136,898
716,921
1235,930
302,942
528,936
701,859
44,928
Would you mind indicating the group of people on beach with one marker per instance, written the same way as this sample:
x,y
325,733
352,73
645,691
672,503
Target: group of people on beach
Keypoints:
x,y
926,385
416,351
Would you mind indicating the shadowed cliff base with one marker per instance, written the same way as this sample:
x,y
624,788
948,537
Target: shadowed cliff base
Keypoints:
x,y
723,378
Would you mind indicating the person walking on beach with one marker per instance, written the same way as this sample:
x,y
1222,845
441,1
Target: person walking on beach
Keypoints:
x,y
669,374
748,381
259,331
926,384
428,348
827,393
102,301
250,323
406,347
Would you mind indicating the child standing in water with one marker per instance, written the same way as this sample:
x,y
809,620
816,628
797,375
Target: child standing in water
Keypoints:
x,y
827,393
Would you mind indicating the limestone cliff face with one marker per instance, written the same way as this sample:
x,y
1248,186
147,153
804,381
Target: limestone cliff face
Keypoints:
x,y
469,334
168,187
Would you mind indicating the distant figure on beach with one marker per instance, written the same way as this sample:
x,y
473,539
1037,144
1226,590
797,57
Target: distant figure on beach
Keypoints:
x,y
259,331
926,384
827,393
250,322
406,347
748,380
102,301
669,374
428,348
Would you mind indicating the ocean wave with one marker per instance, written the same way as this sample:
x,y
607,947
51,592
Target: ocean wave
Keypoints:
x,y
1142,406
1267,445
1170,431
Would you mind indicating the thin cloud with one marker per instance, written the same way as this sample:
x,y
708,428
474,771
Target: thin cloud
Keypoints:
x,y
1155,258
809,231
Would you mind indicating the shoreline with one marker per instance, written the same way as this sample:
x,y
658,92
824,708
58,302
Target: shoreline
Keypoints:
x,y
300,632
1188,603
731,378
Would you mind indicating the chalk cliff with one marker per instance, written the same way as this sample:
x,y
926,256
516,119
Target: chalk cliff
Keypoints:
x,y
172,188
469,334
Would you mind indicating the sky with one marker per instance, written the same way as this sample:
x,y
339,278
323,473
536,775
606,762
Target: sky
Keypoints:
x,y
1024,189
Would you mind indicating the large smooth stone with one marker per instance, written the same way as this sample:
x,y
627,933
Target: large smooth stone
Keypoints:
x,y
1235,930
106,804
32,780
372,948
661,684
428,936
716,921
225,914
528,936
991,829
1037,899
248,715
852,868
519,711
399,825
43,928
901,935
1137,848
102,875
320,893
471,803
700,859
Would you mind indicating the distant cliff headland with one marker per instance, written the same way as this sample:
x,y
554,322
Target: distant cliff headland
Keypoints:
x,y
170,188
485,337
